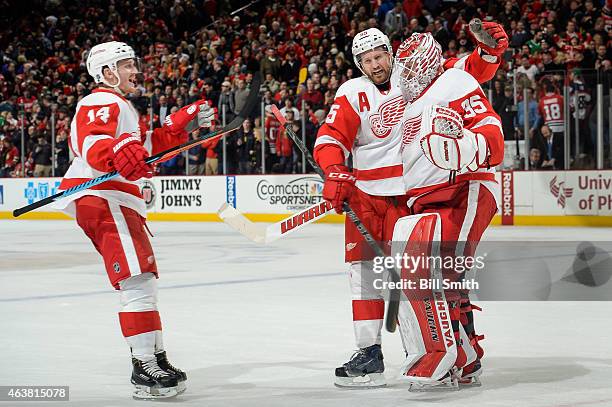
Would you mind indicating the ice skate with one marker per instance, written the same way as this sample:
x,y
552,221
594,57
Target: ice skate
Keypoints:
x,y
470,376
151,382
164,363
364,370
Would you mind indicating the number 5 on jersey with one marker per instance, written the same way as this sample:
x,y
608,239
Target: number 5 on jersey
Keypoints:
x,y
331,116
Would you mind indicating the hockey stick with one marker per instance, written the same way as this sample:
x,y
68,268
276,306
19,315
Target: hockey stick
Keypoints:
x,y
273,232
159,157
393,303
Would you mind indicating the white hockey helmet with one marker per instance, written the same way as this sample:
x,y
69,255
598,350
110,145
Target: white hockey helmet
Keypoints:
x,y
107,54
367,40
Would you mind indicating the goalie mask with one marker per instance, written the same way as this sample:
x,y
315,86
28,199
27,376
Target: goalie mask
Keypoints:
x,y
417,63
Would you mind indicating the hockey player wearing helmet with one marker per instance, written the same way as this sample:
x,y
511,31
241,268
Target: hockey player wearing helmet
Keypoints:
x,y
364,122
106,135
448,128
114,64
373,55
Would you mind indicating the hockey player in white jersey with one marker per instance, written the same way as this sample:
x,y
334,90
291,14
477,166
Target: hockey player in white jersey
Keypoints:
x,y
364,122
451,139
105,136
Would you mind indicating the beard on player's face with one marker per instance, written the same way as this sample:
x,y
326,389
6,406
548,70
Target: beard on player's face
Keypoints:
x,y
376,65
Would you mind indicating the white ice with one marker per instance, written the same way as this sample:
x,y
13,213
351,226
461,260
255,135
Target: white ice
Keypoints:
x,y
266,325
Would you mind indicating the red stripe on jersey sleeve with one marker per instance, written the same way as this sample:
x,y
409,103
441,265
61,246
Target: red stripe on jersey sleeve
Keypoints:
x,y
480,69
341,124
162,139
96,121
328,154
474,108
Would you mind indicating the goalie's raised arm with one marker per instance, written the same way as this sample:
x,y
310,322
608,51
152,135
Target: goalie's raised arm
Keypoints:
x,y
484,61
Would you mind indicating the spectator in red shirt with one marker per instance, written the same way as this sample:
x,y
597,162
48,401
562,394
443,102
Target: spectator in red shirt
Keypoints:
x,y
412,8
284,146
10,158
311,95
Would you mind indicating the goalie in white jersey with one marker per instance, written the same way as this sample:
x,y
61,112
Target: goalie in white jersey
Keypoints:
x,y
365,121
451,139
105,135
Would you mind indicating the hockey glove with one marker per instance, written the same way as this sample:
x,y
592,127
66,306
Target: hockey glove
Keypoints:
x,y
339,185
449,153
129,158
191,117
499,35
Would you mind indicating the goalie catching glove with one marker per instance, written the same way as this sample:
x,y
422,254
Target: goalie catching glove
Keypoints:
x,y
496,31
450,146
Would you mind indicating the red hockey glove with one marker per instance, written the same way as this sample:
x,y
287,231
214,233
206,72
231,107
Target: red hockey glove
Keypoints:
x,y
499,35
191,117
339,185
129,158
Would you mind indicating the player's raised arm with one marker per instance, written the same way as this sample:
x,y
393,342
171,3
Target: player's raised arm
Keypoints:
x,y
178,125
484,61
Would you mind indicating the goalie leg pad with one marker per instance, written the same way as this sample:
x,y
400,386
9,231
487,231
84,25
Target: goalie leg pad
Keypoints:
x,y
424,315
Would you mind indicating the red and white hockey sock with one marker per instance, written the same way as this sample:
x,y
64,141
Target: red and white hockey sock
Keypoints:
x,y
140,330
139,318
368,305
367,321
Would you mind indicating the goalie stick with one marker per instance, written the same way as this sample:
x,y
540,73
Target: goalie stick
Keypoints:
x,y
159,157
268,234
393,303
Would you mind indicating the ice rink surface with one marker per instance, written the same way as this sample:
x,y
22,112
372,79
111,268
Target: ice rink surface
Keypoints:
x,y
266,325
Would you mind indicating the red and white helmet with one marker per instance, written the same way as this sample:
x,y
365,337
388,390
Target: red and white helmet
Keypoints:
x,y
368,40
417,63
108,54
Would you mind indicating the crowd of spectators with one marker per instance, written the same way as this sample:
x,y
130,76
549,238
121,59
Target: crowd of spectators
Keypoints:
x,y
194,49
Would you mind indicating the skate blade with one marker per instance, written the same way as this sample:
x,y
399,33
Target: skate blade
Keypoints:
x,y
472,380
181,387
443,386
153,393
368,381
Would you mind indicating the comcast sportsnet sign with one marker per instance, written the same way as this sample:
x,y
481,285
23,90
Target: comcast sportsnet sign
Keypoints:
x,y
294,194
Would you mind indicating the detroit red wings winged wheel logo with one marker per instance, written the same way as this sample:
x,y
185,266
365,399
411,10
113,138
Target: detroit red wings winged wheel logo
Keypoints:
x,y
410,129
560,192
389,114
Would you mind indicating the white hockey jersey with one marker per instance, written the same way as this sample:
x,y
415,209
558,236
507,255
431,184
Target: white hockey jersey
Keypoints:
x,y
365,121
459,91
100,118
